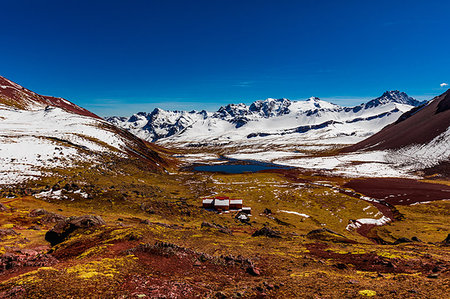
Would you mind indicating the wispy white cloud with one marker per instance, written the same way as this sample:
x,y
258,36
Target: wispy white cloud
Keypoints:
x,y
444,84
243,84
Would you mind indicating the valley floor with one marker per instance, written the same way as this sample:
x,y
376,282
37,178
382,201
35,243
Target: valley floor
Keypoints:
x,y
324,236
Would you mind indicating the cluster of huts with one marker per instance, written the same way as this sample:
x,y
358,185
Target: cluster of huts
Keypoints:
x,y
224,203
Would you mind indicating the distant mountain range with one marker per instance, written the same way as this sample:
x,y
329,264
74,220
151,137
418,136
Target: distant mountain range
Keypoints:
x,y
41,133
272,117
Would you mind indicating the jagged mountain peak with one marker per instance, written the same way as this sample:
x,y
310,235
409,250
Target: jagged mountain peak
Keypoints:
x,y
268,114
393,96
270,107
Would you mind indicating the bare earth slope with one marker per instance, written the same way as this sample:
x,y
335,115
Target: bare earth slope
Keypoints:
x,y
12,94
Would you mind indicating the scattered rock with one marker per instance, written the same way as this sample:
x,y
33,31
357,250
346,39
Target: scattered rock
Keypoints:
x,y
267,232
25,258
146,221
46,216
415,239
402,240
433,275
252,270
7,232
64,228
197,263
3,208
146,207
220,295
219,227
267,211
242,217
447,240
340,266
34,227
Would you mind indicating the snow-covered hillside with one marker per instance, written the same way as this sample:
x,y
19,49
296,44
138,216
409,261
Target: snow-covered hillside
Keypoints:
x,y
34,141
40,133
272,121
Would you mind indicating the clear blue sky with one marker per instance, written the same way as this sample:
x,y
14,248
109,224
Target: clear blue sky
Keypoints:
x,y
119,57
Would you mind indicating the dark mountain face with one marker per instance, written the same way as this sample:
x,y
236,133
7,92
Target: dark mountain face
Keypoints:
x,y
444,105
417,126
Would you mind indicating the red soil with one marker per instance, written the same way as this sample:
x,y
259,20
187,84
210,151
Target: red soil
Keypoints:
x,y
17,94
375,263
396,191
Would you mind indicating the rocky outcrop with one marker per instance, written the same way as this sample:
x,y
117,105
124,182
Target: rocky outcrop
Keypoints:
x,y
267,232
65,227
25,258
46,216
218,227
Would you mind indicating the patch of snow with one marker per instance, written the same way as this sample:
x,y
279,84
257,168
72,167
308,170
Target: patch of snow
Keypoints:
x,y
295,213
358,222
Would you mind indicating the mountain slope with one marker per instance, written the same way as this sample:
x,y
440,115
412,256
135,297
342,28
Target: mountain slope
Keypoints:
x,y
36,137
418,126
14,95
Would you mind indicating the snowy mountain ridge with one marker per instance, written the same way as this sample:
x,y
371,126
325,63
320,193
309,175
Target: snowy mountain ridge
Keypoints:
x,y
270,117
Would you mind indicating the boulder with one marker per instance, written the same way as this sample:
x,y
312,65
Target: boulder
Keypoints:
x,y
402,240
252,270
447,240
64,228
220,228
267,211
267,232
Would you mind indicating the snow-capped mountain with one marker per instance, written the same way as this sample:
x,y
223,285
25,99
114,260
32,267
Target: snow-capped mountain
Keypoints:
x,y
39,134
280,119
420,138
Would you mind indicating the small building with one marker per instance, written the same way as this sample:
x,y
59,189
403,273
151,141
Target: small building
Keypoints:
x,y
208,203
221,204
247,210
236,204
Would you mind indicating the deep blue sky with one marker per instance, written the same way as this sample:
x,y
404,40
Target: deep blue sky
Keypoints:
x,y
119,57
